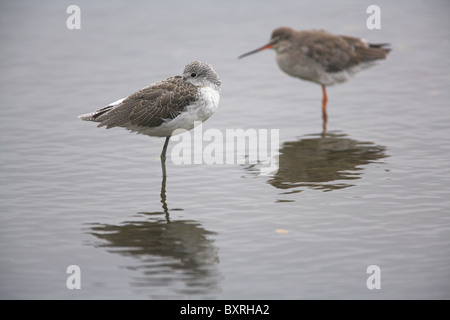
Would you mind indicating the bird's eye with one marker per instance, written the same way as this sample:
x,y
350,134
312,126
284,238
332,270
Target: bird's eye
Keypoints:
x,y
193,74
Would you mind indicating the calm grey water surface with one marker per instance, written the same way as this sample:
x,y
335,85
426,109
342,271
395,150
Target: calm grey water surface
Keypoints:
x,y
374,190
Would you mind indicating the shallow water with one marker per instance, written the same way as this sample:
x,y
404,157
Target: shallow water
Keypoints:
x,y
373,190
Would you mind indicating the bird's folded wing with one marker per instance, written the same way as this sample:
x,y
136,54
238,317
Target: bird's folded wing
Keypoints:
x,y
151,106
338,53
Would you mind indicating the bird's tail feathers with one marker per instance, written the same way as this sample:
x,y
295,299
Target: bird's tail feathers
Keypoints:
x,y
94,115
382,46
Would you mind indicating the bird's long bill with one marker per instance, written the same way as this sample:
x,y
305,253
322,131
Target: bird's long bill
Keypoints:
x,y
267,46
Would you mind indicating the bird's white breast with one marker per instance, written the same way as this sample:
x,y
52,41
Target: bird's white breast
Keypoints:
x,y
210,97
198,111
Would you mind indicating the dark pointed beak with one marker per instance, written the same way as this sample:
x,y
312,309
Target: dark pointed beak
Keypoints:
x,y
267,46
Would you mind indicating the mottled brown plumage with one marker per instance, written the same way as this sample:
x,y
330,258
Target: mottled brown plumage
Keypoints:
x,y
333,53
167,107
150,106
163,107
322,57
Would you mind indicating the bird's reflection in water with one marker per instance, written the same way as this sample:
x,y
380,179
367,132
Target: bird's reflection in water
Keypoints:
x,y
323,161
176,256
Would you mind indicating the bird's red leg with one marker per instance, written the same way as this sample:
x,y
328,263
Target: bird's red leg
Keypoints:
x,y
324,108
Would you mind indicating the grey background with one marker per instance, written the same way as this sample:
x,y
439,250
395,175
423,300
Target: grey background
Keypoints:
x,y
374,191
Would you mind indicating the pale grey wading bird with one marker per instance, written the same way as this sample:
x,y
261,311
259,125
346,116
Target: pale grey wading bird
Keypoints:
x,y
179,102
321,57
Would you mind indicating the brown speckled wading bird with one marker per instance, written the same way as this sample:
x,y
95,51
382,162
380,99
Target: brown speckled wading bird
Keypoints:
x,y
179,102
321,57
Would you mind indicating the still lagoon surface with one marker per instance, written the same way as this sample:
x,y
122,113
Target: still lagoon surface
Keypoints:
x,y
373,190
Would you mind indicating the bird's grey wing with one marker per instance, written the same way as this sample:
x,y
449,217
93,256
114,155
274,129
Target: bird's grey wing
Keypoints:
x,y
366,52
338,53
332,53
150,106
166,100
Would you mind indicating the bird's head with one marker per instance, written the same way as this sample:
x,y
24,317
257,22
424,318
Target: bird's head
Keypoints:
x,y
279,41
201,74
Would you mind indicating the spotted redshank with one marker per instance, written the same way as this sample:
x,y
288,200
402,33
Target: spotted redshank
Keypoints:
x,y
321,57
179,102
